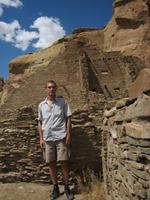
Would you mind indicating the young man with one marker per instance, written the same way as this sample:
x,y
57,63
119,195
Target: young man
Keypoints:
x,y
54,124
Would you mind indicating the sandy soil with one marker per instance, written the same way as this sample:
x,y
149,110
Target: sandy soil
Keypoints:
x,y
31,191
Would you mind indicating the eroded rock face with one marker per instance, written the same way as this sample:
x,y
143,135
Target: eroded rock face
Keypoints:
x,y
79,66
128,31
141,84
1,88
126,145
103,61
1,84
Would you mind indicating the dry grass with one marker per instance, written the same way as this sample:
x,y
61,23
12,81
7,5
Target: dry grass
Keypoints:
x,y
92,189
96,192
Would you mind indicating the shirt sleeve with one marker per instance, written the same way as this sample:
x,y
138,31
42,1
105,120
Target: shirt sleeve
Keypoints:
x,y
40,117
67,110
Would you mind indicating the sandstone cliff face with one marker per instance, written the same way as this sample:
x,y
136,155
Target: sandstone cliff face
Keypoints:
x,y
1,87
80,67
61,62
104,61
129,29
1,84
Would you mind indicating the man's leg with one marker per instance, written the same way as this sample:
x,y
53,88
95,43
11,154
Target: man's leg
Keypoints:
x,y
65,171
51,161
63,153
53,172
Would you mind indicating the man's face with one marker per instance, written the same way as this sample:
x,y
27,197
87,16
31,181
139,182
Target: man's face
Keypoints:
x,y
51,89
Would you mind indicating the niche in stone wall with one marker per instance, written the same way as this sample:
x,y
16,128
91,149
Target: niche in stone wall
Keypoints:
x,y
93,82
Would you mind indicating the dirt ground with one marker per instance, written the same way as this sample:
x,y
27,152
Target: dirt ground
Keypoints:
x,y
32,191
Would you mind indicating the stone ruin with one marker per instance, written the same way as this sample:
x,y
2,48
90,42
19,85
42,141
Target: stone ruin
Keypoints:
x,y
126,143
104,75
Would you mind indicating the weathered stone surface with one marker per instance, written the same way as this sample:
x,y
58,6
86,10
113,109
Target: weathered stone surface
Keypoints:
x,y
80,30
1,83
131,18
84,70
141,108
137,130
110,113
126,151
122,102
141,84
20,152
119,117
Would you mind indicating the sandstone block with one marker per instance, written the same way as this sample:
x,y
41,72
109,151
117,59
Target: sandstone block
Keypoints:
x,y
140,108
141,84
88,124
110,113
141,174
145,151
133,164
119,115
113,133
2,141
136,130
144,183
129,155
122,102
137,143
140,190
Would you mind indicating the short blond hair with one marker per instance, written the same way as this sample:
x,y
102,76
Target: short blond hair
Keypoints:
x,y
51,81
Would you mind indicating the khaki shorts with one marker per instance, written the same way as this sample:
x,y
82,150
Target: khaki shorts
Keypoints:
x,y
56,151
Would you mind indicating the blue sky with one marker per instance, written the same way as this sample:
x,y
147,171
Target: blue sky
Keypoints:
x,y
29,25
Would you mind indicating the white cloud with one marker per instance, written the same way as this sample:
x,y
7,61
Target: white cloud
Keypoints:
x,y
24,38
9,3
49,30
13,3
8,31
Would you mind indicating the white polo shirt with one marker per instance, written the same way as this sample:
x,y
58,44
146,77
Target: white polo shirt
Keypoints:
x,y
53,118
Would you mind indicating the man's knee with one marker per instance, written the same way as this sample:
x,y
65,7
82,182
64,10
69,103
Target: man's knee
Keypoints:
x,y
64,163
52,164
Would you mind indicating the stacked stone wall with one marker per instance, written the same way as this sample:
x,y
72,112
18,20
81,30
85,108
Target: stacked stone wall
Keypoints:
x,y
21,157
126,149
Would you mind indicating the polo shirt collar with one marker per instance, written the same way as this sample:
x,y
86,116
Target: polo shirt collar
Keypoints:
x,y
46,99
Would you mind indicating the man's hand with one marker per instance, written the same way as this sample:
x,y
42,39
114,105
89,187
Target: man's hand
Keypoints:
x,y
68,139
42,143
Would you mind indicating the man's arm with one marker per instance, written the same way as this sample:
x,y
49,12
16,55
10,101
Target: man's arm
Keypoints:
x,y
40,133
68,129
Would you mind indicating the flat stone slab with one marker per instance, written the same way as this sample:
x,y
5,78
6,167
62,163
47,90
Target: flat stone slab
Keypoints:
x,y
137,130
139,109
